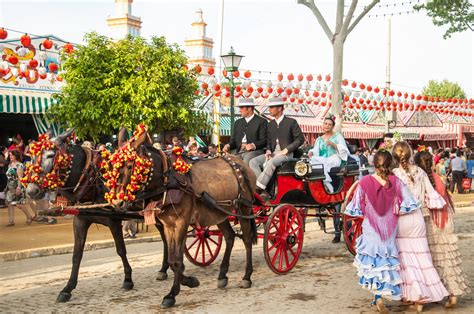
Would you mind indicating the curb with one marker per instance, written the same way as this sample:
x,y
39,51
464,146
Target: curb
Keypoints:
x,y
69,248
463,204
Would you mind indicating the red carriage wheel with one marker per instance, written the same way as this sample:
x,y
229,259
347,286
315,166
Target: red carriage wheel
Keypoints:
x,y
283,239
203,245
352,226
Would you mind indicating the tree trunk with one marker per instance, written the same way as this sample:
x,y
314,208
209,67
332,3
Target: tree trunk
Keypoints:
x,y
338,56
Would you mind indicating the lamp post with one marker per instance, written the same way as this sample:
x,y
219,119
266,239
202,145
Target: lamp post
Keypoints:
x,y
231,63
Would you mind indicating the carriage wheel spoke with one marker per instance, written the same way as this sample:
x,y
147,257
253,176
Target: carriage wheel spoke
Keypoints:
x,y
280,260
209,248
197,250
275,243
192,244
292,253
293,231
213,241
276,254
286,258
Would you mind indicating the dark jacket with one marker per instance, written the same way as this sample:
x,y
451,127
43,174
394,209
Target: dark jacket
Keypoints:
x,y
288,133
256,131
364,162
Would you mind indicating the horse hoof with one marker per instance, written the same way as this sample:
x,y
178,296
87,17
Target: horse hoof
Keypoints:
x,y
63,297
161,276
245,284
222,283
127,285
167,303
193,282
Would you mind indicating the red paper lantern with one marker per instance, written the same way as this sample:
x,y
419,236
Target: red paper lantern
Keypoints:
x,y
362,86
269,90
196,92
25,40
376,90
3,33
224,73
197,69
47,44
290,77
204,86
288,91
300,77
33,63
323,95
12,59
247,74
319,77
316,93
279,90
206,93
309,78
328,78
353,84
345,82
260,89
210,70
53,67
238,88
369,88
323,103
42,76
216,87
250,89
296,90
236,73
391,93
280,77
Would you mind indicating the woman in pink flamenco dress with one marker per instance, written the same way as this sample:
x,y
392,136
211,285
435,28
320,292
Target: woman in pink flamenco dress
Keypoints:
x,y
421,283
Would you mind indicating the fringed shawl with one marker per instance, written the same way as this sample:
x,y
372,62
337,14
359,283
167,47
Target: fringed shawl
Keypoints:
x,y
385,203
441,216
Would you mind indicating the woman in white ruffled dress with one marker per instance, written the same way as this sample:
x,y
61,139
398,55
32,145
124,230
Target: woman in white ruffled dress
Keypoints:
x,y
421,282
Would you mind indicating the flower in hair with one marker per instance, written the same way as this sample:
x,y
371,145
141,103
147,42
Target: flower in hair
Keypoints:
x,y
421,148
331,117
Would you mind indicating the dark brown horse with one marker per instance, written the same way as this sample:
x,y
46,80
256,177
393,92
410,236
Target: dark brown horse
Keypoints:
x,y
89,190
224,180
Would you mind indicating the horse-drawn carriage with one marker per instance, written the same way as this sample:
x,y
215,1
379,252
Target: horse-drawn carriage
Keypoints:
x,y
297,192
138,173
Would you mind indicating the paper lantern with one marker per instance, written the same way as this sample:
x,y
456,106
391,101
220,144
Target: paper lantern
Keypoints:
x,y
25,40
68,48
3,33
309,78
345,82
328,78
362,86
376,90
300,77
47,43
236,73
224,73
53,67
12,59
210,70
33,63
353,84
319,77
290,77
204,86
197,69
247,74
280,77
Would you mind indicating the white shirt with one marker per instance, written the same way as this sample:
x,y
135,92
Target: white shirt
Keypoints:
x,y
279,119
247,119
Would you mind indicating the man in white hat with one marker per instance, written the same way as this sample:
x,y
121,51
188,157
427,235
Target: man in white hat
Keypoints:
x,y
284,137
250,133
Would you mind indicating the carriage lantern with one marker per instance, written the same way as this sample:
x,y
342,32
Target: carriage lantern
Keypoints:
x,y
302,168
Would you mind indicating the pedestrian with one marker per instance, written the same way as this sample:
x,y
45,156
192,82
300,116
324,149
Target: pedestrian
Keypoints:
x,y
458,166
441,237
364,161
15,192
129,228
440,170
380,198
212,149
3,173
421,282
470,169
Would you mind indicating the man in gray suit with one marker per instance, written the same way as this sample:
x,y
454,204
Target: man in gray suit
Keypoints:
x,y
250,133
284,137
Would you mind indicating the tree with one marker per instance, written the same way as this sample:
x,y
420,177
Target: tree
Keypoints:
x,y
344,25
113,84
444,89
458,14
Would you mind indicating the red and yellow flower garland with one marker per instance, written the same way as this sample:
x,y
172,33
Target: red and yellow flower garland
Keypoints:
x,y
112,163
55,178
179,164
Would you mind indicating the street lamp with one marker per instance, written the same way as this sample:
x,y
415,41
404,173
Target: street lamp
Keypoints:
x,y
231,64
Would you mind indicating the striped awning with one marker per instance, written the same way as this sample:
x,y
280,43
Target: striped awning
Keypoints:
x,y
25,104
361,131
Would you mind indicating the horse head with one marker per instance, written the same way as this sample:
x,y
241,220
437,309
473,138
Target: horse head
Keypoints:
x,y
129,170
49,164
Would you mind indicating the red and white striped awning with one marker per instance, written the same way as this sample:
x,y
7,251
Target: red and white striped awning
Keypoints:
x,y
436,133
361,131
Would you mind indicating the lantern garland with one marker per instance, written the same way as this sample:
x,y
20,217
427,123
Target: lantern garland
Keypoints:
x,y
112,163
51,180
179,164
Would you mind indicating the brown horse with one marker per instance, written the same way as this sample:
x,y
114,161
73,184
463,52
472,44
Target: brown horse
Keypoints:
x,y
90,189
217,177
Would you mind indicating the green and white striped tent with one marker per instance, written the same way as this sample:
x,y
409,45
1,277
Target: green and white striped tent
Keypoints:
x,y
34,103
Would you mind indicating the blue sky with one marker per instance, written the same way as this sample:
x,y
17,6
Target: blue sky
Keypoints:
x,y
278,36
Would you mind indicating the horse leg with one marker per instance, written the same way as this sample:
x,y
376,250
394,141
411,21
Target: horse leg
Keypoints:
x,y
229,237
189,281
249,236
162,275
115,227
175,234
80,228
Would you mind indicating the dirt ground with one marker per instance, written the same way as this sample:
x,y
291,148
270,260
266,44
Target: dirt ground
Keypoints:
x,y
323,281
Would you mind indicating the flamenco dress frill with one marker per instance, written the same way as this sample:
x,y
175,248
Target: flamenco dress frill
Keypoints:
x,y
377,263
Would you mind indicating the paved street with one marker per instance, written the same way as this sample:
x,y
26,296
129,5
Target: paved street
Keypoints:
x,y
323,281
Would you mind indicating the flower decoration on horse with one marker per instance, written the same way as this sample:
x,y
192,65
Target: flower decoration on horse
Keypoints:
x,y
179,164
54,179
126,155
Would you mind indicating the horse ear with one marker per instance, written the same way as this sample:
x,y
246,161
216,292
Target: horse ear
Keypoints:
x,y
122,136
61,138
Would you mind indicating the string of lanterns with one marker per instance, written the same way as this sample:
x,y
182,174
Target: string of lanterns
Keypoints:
x,y
313,90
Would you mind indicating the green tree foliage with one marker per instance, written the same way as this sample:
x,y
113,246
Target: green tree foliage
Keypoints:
x,y
113,84
457,14
444,89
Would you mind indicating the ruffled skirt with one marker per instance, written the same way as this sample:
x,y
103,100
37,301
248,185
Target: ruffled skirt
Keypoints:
x,y
378,274
421,282
446,257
